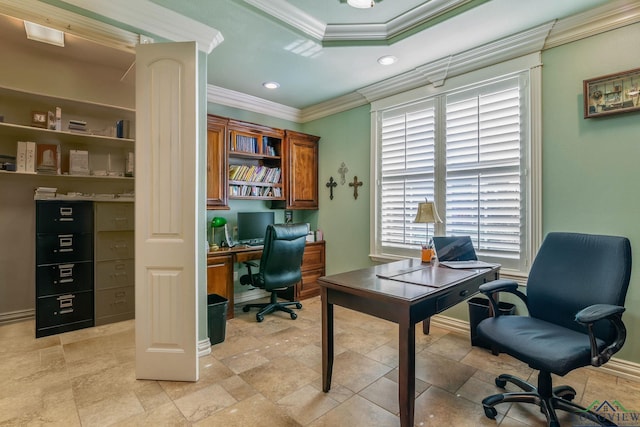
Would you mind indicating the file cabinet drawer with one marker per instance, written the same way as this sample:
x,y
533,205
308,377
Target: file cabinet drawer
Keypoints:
x,y
63,248
63,217
113,274
114,305
113,245
114,216
62,309
58,279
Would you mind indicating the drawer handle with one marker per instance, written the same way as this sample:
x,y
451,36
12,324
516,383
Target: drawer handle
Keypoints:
x,y
124,273
121,294
120,219
215,265
119,246
464,292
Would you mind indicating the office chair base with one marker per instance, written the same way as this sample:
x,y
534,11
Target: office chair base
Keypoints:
x,y
271,306
547,398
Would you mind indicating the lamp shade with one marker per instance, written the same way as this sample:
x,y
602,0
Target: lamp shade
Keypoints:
x,y
427,213
218,222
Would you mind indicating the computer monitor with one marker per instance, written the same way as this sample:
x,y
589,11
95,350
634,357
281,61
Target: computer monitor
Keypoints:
x,y
252,227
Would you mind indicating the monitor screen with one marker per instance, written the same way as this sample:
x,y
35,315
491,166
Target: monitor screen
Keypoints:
x,y
252,226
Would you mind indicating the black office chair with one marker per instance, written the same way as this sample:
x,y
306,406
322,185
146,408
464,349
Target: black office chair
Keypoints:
x,y
575,297
279,267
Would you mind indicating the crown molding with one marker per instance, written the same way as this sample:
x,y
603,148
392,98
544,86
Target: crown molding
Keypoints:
x,y
70,22
333,106
154,19
483,56
595,21
231,98
285,12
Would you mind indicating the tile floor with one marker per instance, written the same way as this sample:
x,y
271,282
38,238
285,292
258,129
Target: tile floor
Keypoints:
x,y
267,374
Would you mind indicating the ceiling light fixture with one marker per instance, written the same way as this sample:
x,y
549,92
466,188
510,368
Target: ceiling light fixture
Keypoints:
x,y
271,85
44,34
387,60
361,4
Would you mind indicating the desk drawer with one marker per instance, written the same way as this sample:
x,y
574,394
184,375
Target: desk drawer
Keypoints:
x,y
313,257
115,273
59,279
309,286
452,298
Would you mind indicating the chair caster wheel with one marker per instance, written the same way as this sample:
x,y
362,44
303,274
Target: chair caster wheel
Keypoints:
x,y
245,309
259,318
294,316
298,306
500,382
490,412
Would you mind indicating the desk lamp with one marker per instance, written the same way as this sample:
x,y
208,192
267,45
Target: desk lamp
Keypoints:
x,y
427,214
218,222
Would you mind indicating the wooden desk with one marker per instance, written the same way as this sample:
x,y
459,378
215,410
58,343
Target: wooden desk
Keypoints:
x,y
220,271
400,302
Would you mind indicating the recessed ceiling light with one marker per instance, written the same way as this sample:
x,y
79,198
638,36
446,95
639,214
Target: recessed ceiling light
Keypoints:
x,y
361,4
271,85
387,60
44,34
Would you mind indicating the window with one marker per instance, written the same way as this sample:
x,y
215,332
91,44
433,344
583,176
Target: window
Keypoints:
x,y
467,149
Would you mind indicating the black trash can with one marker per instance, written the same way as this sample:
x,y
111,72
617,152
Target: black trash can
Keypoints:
x,y
216,317
478,311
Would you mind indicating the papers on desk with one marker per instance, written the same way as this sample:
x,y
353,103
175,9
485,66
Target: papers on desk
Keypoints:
x,y
427,276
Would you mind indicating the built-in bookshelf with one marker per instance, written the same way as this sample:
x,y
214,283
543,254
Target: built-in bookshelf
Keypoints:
x,y
255,165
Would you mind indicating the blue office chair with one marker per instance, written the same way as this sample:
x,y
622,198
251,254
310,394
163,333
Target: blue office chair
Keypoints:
x,y
575,299
279,267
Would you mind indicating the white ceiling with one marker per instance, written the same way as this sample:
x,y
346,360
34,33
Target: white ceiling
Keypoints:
x,y
319,50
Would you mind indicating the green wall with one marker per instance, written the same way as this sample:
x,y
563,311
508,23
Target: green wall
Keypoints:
x,y
590,166
344,220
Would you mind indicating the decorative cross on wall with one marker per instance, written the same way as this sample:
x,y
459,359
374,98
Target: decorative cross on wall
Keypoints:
x,y
342,170
331,185
355,184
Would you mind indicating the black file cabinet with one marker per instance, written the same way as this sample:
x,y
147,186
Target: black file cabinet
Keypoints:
x,y
64,266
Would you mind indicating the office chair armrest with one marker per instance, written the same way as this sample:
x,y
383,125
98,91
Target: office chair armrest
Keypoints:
x,y
501,285
250,264
613,313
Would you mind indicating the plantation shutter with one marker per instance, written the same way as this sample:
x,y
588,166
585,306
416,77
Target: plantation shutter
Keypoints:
x,y
407,164
484,177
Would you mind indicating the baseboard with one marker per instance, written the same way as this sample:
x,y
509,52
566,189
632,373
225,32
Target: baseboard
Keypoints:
x,y
17,316
246,296
618,367
204,347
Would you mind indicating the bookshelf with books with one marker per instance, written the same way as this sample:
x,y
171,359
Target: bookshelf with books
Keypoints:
x,y
254,162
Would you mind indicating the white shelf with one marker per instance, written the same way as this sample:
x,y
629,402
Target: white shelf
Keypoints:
x,y
31,133
66,176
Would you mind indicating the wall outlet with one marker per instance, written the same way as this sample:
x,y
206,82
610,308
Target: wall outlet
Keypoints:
x,y
235,276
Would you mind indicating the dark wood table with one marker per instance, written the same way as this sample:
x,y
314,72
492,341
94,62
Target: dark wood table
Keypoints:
x,y
400,300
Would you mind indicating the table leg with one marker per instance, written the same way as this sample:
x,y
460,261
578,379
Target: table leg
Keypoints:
x,y
426,325
407,372
327,340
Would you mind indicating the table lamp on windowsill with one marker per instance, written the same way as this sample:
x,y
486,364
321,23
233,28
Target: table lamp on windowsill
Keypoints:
x,y
427,214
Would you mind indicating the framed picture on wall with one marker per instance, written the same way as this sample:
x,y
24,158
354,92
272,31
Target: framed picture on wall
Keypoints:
x,y
612,94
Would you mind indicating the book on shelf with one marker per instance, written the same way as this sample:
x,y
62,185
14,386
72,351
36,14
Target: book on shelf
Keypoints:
x,y
47,158
78,162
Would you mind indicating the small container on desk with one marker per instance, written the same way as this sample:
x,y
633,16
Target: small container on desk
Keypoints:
x,y
427,254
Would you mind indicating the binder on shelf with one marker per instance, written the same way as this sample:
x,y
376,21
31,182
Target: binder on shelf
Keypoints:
x,y
21,157
31,157
58,118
